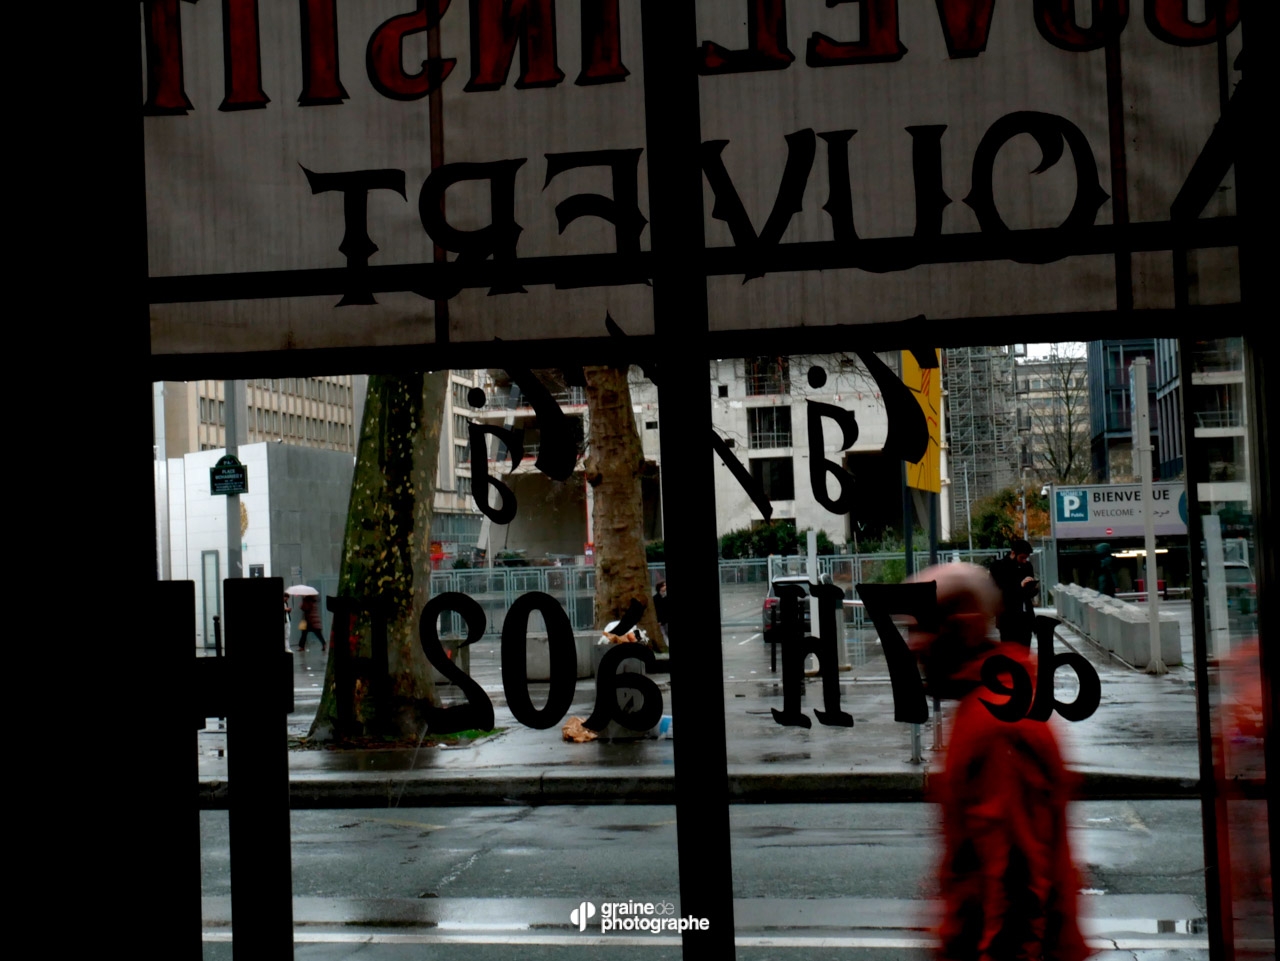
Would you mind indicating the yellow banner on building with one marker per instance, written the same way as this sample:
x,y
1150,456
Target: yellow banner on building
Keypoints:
x,y
926,384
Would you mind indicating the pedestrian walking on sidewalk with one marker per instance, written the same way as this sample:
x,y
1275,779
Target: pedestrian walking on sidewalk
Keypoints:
x,y
311,621
660,610
1016,579
1007,880
287,611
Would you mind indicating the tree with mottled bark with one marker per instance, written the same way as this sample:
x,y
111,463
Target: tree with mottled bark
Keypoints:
x,y
614,465
385,573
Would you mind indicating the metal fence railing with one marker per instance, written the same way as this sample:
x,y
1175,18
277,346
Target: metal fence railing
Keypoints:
x,y
744,581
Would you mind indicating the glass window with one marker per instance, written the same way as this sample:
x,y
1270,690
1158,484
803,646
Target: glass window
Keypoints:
x,y
775,476
767,375
795,855
769,427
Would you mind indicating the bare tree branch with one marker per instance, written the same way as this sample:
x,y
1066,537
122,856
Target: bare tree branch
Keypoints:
x,y
1057,417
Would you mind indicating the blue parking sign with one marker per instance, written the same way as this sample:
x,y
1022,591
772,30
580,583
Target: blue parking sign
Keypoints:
x,y
1071,505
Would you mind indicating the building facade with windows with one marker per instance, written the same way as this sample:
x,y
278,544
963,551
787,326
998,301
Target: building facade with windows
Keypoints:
x,y
1111,408
1053,419
557,522
320,412
760,407
310,413
760,410
1216,396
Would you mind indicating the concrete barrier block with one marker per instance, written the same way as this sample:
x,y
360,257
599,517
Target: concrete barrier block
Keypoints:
x,y
1170,641
1070,602
538,656
1111,629
1129,635
1084,598
1094,610
1082,606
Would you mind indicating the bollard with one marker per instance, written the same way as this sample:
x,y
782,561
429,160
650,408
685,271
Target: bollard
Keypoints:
x,y
773,645
937,724
916,756
172,614
258,705
217,652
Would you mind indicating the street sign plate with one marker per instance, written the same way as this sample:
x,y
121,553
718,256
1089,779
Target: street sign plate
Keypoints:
x,y
228,477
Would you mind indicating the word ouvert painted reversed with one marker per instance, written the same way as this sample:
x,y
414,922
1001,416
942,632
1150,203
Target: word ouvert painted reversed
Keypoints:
x,y
499,238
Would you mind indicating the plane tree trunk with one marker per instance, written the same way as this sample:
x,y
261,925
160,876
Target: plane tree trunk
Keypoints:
x,y
385,574
614,466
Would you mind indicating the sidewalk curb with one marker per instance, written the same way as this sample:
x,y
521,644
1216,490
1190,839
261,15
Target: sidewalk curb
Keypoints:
x,y
605,786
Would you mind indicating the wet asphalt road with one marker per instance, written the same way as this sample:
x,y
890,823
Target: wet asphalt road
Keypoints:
x,y
485,883
619,851
458,879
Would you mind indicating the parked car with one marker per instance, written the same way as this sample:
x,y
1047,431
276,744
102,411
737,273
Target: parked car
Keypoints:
x,y
773,603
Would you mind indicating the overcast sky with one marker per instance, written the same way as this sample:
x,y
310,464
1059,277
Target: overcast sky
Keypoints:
x,y
1040,351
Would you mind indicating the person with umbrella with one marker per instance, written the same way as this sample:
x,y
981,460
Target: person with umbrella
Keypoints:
x,y
311,622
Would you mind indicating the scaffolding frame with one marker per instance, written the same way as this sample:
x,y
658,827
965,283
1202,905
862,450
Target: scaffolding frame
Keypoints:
x,y
982,423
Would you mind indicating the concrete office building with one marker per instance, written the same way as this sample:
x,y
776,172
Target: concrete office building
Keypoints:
x,y
291,520
300,455
320,412
1111,406
1053,419
758,407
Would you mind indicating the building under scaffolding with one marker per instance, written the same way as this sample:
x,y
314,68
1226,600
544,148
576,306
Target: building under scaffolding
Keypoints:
x,y
983,443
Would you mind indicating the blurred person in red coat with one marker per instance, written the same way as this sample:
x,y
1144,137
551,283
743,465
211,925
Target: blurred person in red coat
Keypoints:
x,y
1007,880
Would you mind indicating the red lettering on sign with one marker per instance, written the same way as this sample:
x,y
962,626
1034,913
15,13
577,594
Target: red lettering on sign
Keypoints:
x,y
966,24
496,27
1168,20
1056,21
241,57
601,43
878,33
384,58
767,39
320,81
165,92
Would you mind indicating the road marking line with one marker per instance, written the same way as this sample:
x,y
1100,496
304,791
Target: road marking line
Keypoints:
x,y
749,639
460,870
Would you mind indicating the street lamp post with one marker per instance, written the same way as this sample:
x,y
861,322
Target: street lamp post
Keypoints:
x,y
1143,448
968,510
1026,531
